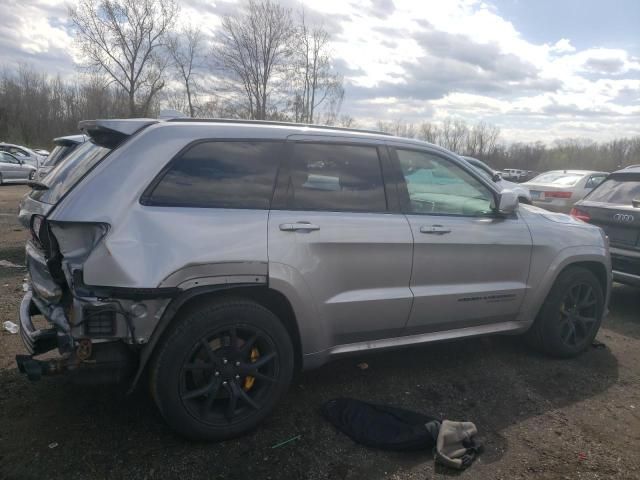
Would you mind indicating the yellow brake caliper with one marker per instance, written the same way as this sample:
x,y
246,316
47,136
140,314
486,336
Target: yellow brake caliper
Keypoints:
x,y
249,381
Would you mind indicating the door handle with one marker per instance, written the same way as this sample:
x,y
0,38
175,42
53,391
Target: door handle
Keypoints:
x,y
434,229
294,227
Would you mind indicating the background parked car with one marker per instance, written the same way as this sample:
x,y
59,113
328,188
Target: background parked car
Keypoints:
x,y
64,146
514,174
41,151
28,155
486,171
614,206
559,190
14,170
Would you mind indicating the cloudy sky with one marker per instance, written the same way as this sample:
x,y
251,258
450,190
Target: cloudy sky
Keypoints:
x,y
538,69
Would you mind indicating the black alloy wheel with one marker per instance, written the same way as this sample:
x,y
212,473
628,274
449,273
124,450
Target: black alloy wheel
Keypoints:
x,y
578,314
571,315
221,368
228,374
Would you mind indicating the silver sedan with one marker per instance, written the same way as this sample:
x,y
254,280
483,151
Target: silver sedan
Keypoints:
x,y
14,170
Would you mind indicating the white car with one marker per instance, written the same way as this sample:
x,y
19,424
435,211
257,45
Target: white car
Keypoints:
x,y
559,190
27,155
486,171
514,174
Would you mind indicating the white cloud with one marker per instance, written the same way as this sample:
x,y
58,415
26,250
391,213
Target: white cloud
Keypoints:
x,y
415,60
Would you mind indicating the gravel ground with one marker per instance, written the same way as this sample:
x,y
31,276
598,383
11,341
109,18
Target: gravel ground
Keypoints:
x,y
538,417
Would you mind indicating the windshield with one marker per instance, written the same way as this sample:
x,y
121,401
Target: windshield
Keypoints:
x,y
69,172
617,190
57,154
562,179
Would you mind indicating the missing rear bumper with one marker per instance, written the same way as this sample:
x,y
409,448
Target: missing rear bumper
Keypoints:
x,y
35,340
110,362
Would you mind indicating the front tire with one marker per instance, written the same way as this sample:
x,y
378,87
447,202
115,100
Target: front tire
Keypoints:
x,y
571,315
221,369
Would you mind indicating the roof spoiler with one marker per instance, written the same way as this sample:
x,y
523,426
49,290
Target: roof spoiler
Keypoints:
x,y
69,140
112,132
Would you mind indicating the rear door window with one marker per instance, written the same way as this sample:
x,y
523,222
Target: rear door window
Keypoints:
x,y
219,174
336,178
6,158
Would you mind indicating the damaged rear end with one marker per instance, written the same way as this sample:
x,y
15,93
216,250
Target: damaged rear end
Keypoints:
x,y
92,328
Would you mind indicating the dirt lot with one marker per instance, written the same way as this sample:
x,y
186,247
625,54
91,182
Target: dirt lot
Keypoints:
x,y
538,417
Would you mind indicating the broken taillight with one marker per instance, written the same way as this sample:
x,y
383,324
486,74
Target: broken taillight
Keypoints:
x,y
36,227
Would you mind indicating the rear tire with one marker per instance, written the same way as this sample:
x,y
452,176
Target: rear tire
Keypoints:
x,y
571,315
221,369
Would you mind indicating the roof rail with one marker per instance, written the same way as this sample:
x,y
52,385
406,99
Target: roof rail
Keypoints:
x,y
269,122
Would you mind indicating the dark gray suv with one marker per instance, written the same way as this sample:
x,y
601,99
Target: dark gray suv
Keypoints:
x,y
218,256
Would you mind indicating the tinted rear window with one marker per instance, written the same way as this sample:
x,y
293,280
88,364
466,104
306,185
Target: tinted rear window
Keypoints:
x,y
57,155
561,179
220,175
66,174
617,190
336,178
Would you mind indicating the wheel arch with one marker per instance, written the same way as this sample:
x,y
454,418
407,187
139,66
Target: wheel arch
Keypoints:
x,y
269,298
598,269
595,259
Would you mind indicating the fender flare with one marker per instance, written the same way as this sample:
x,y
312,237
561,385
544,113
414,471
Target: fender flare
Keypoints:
x,y
565,258
168,315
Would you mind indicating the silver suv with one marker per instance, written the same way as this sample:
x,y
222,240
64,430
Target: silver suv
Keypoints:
x,y
217,257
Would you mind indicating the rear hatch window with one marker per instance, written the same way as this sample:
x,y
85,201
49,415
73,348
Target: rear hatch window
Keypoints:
x,y
561,179
69,172
619,190
57,154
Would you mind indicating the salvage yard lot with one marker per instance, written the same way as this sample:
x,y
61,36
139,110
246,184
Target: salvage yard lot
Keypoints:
x,y
538,417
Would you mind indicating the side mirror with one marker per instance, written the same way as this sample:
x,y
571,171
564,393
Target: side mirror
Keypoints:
x,y
507,202
497,176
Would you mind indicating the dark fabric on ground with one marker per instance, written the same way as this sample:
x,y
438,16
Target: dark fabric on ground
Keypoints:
x,y
380,426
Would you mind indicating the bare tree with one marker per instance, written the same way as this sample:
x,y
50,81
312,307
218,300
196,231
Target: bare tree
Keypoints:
x,y
429,132
123,39
253,51
453,135
315,81
481,140
186,51
346,121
